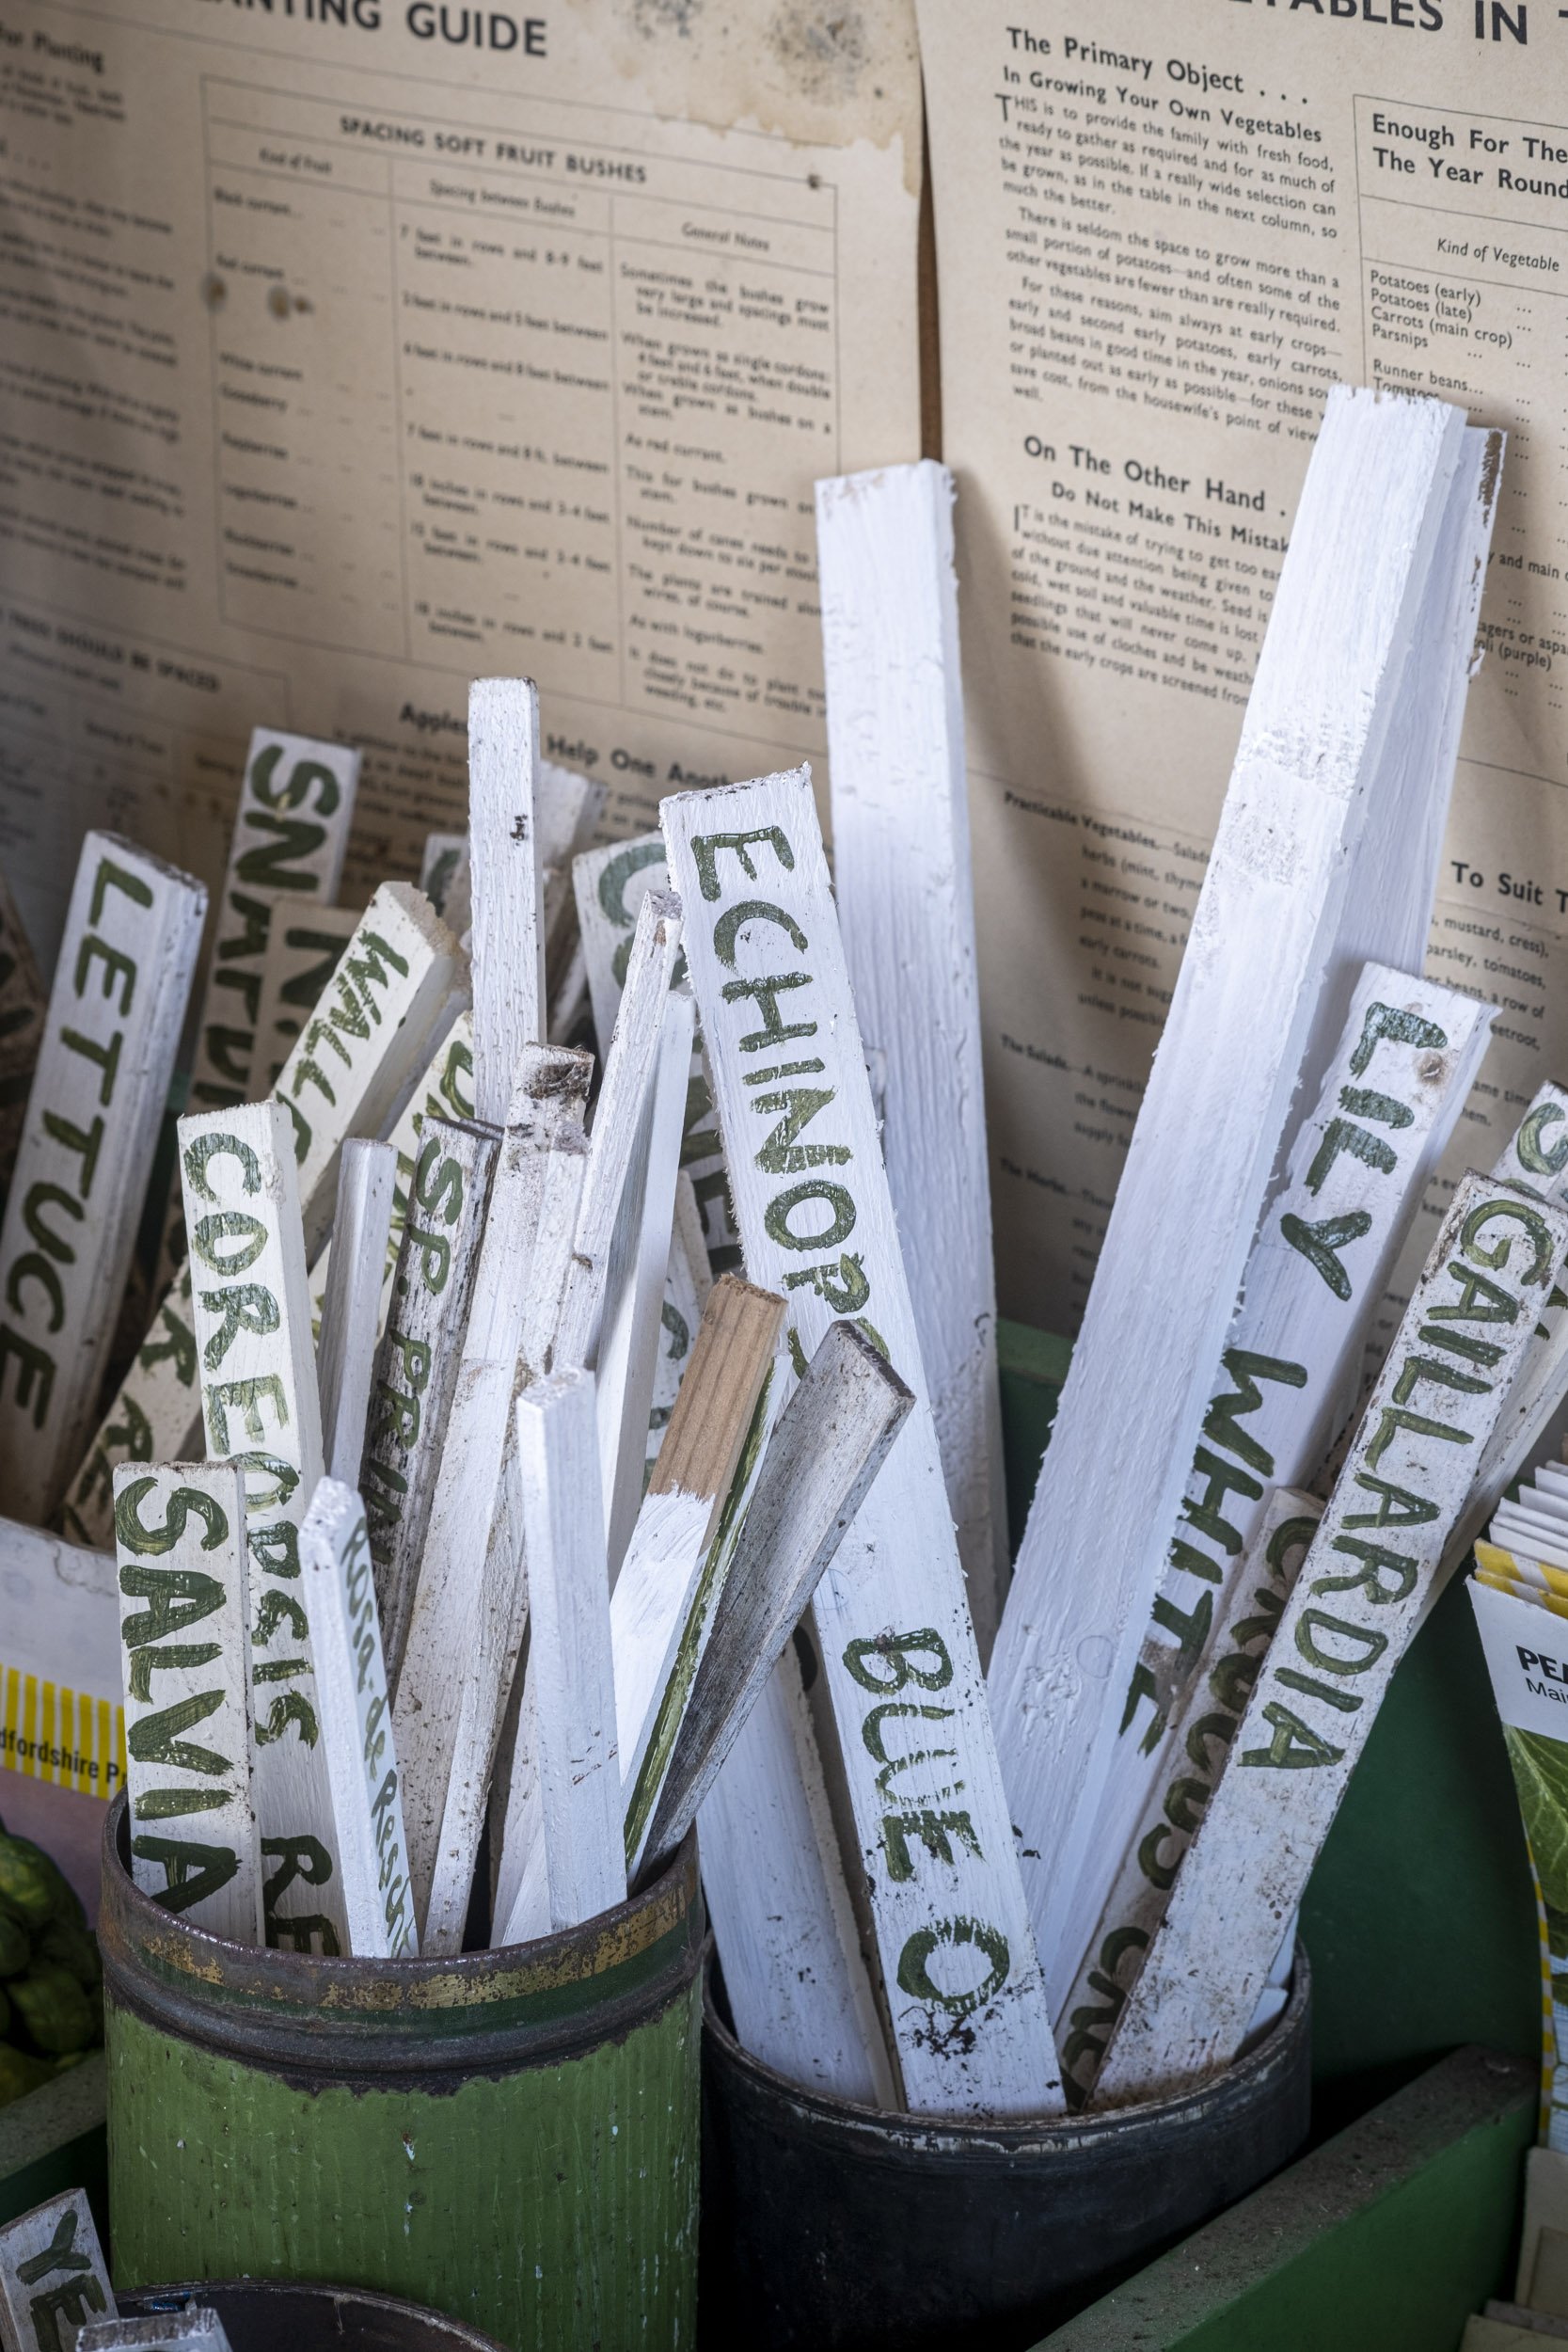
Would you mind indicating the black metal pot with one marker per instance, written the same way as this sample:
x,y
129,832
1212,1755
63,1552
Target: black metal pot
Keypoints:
x,y
836,2228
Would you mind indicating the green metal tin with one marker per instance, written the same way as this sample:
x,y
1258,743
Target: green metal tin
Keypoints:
x,y
510,2137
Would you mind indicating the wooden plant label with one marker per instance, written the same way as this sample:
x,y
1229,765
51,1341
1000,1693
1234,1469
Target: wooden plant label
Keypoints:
x,y
1357,1168
451,1652
832,1440
157,1414
363,1051
185,1624
132,935
357,1725
351,1307
569,1649
1343,1631
1191,1758
813,1208
686,1290
505,881
1536,1154
61,1687
304,946
1270,937
53,2277
291,832
662,1600
800,1992
24,1000
631,1066
416,1365
901,878
610,885
625,1361
262,1410
445,1091
445,881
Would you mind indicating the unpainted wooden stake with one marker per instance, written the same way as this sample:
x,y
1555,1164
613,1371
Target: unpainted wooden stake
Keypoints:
x,y
132,935
351,1312
357,1725
662,1602
184,1623
833,1438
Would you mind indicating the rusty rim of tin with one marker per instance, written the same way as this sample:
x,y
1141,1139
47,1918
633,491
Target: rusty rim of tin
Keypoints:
x,y
474,2013
894,2132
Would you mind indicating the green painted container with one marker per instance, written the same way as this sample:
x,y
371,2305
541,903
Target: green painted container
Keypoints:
x,y
511,2136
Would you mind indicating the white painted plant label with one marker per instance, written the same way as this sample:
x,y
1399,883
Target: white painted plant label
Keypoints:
x,y
362,1053
53,2277
351,1305
416,1365
610,885
185,1624
505,881
1272,937
263,1411
569,1649
355,1717
901,877
1344,1631
1357,1170
812,1204
157,1414
24,1000
131,934
304,946
1191,1757
448,1692
291,832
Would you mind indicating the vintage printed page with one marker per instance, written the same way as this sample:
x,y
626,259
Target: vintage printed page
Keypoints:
x,y
350,349
1163,233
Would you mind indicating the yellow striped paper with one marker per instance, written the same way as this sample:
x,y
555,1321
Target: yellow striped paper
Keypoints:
x,y
67,1737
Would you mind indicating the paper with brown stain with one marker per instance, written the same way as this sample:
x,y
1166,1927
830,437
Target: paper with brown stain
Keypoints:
x,y
1161,233
356,348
